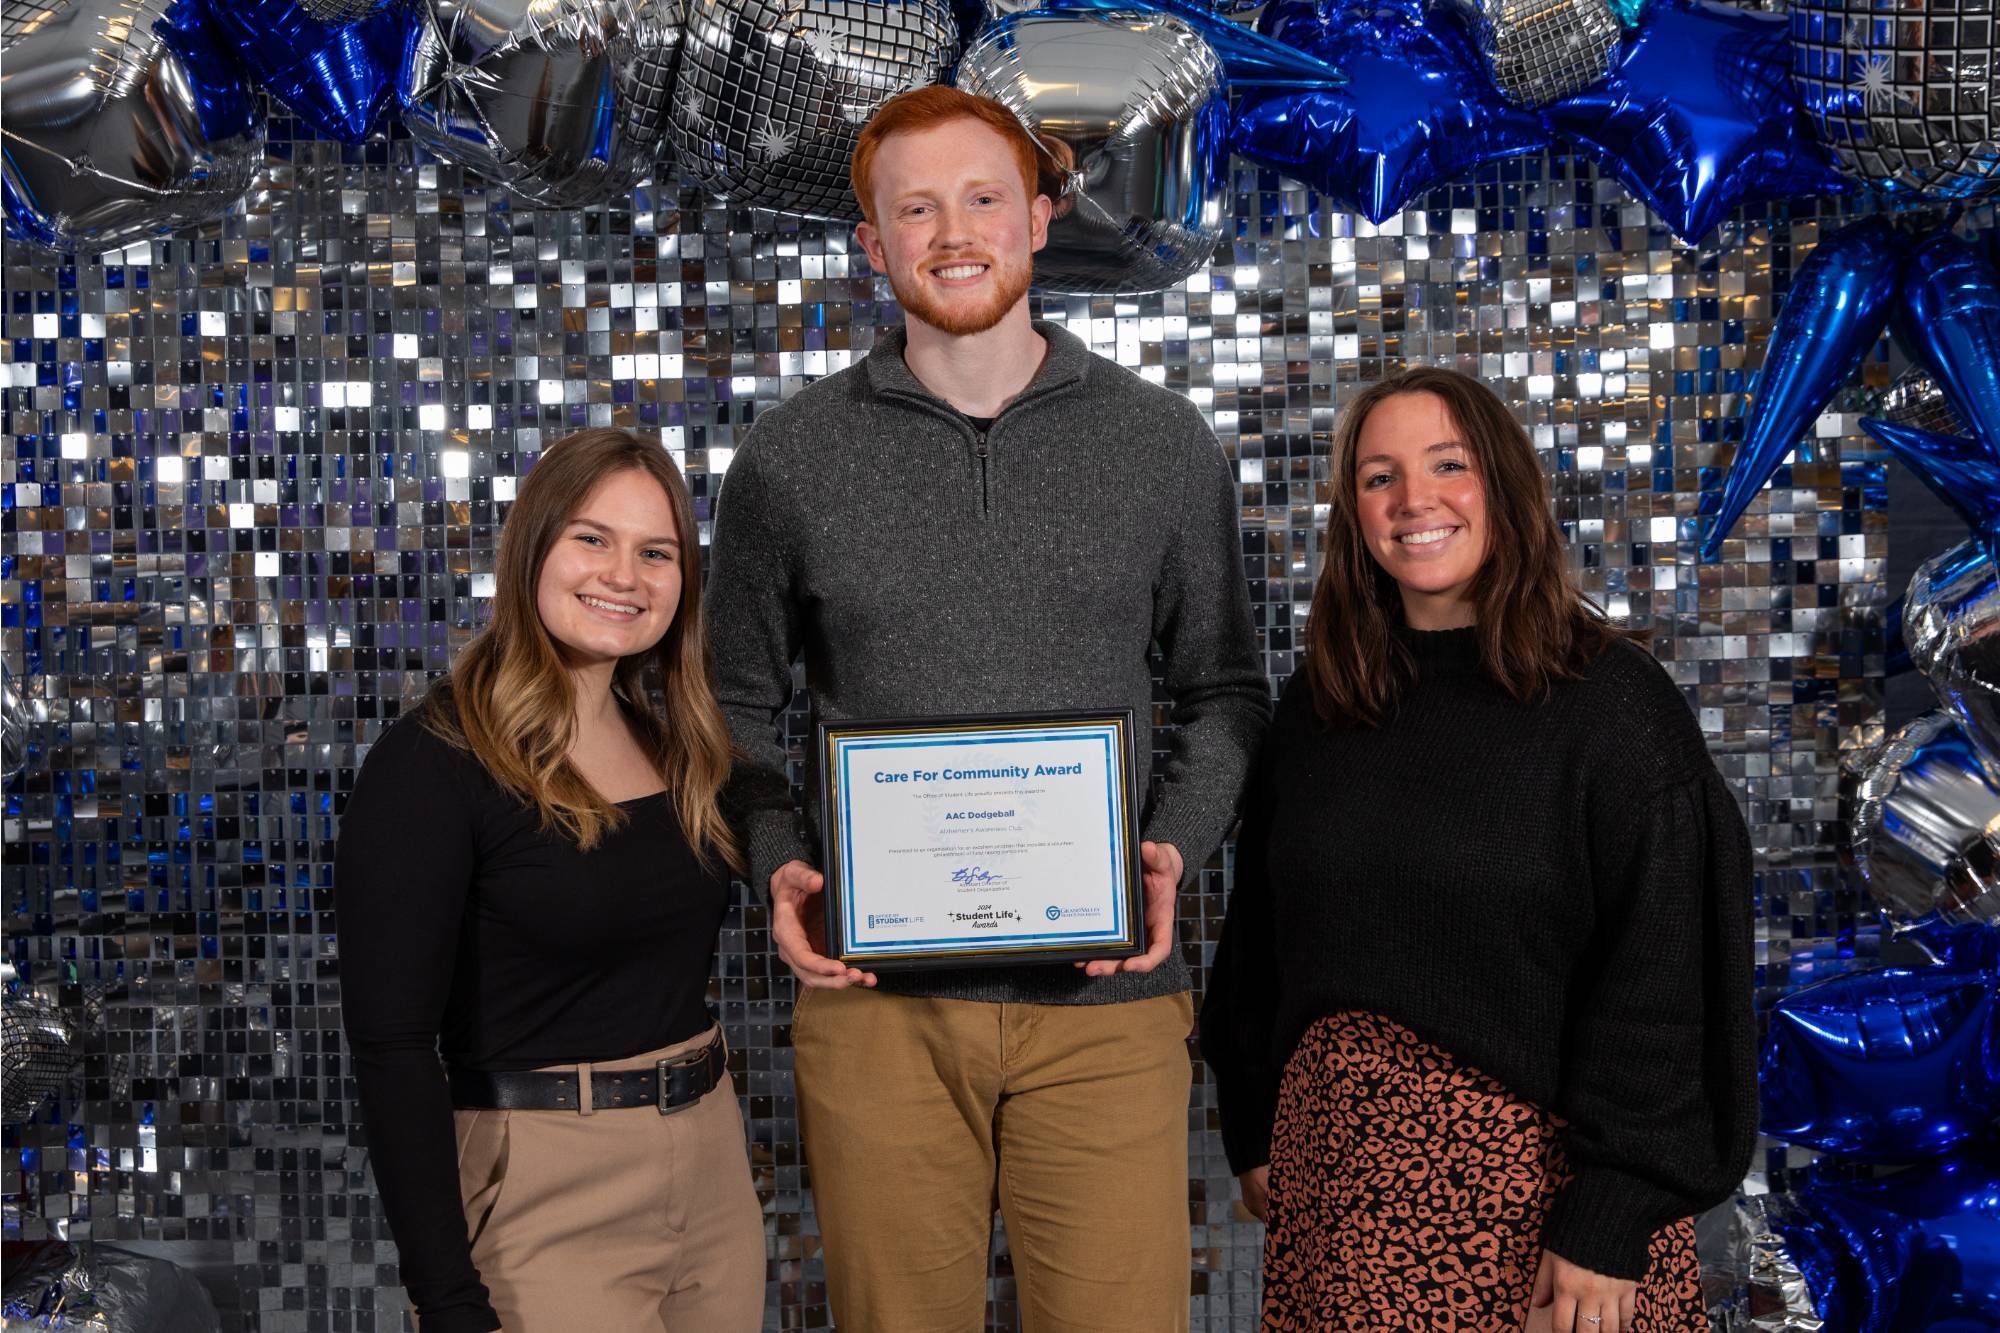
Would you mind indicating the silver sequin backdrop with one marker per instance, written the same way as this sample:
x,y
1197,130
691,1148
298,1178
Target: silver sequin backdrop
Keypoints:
x,y
253,482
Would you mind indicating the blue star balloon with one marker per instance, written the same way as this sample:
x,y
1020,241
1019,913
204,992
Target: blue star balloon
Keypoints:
x,y
1418,108
1950,319
1891,1065
1837,308
1916,1250
1249,59
331,62
1699,115
1958,471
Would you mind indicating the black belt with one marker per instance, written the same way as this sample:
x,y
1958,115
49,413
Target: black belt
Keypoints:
x,y
673,1084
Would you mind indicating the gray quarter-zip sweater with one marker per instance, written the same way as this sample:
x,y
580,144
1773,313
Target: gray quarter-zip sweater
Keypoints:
x,y
927,568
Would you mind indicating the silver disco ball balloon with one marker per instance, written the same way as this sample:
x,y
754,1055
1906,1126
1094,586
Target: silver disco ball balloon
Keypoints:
x,y
1907,94
1541,51
562,101
1951,622
1922,823
771,93
1916,399
1133,106
122,119
40,1047
338,13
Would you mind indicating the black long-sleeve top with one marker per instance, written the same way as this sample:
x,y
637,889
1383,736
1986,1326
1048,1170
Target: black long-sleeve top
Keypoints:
x,y
470,936
1556,892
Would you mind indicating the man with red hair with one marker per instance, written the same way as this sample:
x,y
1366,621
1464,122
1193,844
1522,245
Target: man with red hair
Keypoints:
x,y
981,517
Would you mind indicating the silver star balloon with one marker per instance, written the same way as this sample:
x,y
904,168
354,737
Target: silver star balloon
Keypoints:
x,y
1922,823
563,101
122,119
1133,106
1904,95
771,93
1541,51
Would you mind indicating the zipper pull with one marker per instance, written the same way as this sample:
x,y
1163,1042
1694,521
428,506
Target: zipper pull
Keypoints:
x,y
985,489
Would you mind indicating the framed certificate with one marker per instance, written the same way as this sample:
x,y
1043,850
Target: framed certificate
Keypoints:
x,y
981,840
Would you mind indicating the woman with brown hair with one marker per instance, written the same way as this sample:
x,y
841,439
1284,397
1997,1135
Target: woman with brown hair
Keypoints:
x,y
1480,1020
531,875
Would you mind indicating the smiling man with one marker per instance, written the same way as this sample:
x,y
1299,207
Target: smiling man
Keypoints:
x,y
982,517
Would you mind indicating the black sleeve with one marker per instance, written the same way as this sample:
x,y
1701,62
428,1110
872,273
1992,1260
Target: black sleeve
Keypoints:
x,y
1659,1084
403,874
1239,1015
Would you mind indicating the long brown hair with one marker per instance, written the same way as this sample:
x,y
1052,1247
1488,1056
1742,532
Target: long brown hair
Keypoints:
x,y
1534,626
511,700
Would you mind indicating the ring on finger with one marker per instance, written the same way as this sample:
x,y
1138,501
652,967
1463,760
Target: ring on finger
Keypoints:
x,y
1592,1319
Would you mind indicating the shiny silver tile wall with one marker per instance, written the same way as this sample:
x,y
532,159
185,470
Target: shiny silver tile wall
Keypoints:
x,y
252,493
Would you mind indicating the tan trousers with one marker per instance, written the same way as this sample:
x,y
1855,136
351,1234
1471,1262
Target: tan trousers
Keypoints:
x,y
615,1220
919,1114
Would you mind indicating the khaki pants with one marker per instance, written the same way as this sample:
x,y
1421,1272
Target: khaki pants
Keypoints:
x,y
918,1114
615,1220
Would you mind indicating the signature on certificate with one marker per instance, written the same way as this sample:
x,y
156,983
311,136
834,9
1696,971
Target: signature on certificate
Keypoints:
x,y
976,875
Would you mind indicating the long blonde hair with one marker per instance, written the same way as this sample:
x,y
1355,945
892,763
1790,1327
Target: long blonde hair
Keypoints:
x,y
511,700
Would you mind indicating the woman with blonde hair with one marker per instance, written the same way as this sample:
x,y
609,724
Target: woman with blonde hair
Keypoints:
x,y
1480,1020
531,875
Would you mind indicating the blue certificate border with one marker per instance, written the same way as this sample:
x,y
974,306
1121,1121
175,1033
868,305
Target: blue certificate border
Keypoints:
x,y
840,743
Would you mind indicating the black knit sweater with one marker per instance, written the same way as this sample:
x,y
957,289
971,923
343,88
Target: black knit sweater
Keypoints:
x,y
1557,893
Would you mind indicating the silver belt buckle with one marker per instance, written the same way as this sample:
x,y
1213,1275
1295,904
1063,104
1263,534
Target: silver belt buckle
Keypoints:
x,y
688,1060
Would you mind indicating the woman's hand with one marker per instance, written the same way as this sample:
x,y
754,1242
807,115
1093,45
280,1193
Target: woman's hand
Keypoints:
x,y
1256,1186
1570,1299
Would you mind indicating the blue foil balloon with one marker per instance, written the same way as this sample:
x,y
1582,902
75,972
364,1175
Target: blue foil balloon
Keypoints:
x,y
1699,115
331,62
1913,1252
1891,1065
1950,319
1249,59
1839,303
1958,471
1418,108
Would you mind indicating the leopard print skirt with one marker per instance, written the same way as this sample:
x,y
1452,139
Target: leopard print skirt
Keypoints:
x,y
1408,1191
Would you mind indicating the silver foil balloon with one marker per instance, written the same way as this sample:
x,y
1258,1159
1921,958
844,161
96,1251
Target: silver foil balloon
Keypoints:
x,y
1780,1299
1916,399
121,119
1741,1253
91,1288
1132,105
1951,624
1923,824
18,718
562,101
40,1047
771,93
1904,95
1541,51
